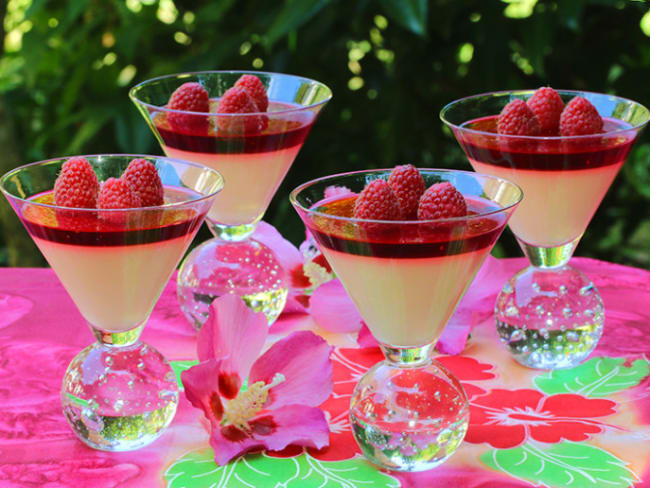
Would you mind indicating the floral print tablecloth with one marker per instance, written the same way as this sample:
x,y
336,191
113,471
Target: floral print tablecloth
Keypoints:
x,y
584,427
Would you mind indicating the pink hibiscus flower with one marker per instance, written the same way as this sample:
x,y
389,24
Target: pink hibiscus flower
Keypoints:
x,y
285,384
508,418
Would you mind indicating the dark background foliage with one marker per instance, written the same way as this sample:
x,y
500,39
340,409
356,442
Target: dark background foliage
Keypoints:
x,y
66,68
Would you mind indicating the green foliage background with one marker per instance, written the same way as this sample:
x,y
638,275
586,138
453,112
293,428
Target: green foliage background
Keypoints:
x,y
66,68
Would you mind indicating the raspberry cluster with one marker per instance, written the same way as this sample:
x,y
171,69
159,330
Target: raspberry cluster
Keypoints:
x,y
544,114
405,197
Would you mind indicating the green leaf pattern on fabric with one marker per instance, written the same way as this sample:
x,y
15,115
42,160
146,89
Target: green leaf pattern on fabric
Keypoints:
x,y
564,465
197,469
598,377
179,367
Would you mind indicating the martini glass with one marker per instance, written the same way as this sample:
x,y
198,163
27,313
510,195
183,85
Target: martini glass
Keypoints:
x,y
549,315
118,394
253,166
408,412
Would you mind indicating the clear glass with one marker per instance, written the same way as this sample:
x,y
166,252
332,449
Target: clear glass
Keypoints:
x,y
253,166
118,394
406,278
549,315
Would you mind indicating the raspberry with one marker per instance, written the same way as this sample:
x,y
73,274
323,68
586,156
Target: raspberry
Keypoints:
x,y
441,201
253,85
236,100
116,193
191,97
408,186
142,177
580,117
547,106
76,185
378,202
518,119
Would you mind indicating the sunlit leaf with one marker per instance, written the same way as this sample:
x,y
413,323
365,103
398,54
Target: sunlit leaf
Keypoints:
x,y
410,14
293,15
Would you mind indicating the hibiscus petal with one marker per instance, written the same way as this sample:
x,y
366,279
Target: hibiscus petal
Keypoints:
x,y
234,333
199,383
293,424
488,282
226,449
298,424
365,337
287,254
303,358
332,308
453,338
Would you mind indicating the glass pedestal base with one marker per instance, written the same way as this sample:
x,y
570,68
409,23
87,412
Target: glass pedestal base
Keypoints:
x,y
245,268
119,398
409,417
549,318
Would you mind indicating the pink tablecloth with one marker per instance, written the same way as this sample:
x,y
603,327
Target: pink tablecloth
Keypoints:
x,y
586,427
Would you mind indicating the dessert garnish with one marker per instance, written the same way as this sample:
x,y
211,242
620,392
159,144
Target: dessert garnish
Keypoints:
x,y
407,184
544,114
441,201
143,179
547,105
253,85
237,100
116,193
246,96
518,119
77,185
403,197
580,117
189,97
377,202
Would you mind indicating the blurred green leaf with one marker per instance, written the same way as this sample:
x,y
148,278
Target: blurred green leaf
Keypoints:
x,y
410,14
293,15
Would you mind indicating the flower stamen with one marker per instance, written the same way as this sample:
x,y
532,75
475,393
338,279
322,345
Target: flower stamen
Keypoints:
x,y
247,404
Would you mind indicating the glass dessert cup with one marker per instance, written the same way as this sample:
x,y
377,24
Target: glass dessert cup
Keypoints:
x,y
253,166
549,315
118,394
406,278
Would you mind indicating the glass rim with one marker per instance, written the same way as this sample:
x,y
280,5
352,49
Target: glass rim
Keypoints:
x,y
293,198
149,157
133,93
456,102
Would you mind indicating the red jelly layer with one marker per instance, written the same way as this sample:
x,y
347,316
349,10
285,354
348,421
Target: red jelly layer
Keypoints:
x,y
283,130
235,144
112,238
405,241
546,154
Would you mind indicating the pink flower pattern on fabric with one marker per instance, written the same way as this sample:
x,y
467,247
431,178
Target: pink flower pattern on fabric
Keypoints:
x,y
285,384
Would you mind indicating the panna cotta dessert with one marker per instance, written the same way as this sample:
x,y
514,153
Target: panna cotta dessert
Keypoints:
x,y
564,168
113,271
113,227
407,286
406,244
406,253
251,140
563,183
249,126
254,165
564,149
114,262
